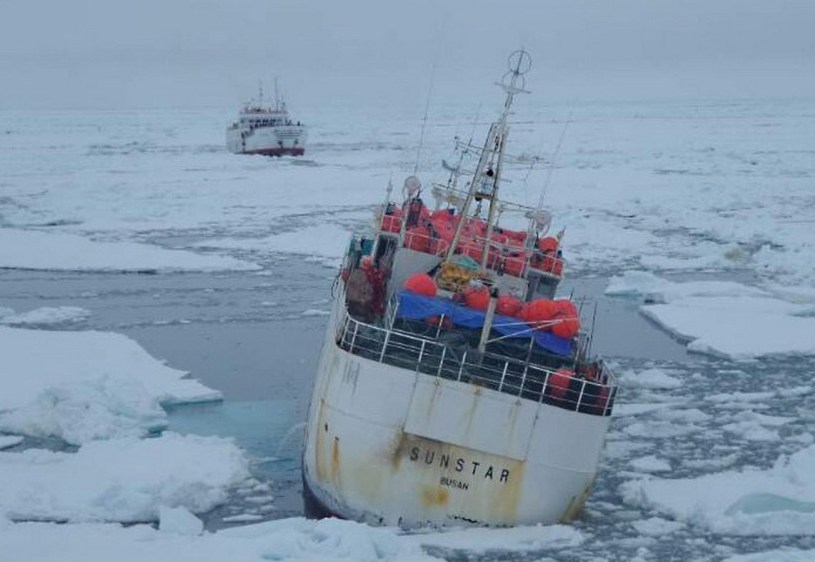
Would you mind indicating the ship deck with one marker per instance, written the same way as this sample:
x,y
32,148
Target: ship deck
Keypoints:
x,y
451,356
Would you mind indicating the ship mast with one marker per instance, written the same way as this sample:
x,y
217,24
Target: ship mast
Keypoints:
x,y
487,176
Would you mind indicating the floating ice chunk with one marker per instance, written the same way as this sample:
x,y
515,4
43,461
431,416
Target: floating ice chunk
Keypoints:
x,y
323,241
690,415
316,312
736,327
624,449
658,290
7,441
768,503
659,429
46,316
718,258
651,378
79,412
753,426
120,480
33,249
631,409
636,283
36,360
86,385
285,540
740,397
650,463
778,501
722,317
780,555
242,518
525,538
656,527
179,520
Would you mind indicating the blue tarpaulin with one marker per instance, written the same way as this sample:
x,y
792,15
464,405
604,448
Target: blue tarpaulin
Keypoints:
x,y
419,307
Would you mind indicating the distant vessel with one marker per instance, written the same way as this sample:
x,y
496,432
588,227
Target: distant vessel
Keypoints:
x,y
266,130
453,388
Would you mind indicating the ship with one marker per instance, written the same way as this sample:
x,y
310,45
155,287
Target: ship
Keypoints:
x,y
454,387
267,130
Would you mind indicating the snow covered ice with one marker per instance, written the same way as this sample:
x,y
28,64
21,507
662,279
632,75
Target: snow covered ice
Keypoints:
x,y
700,222
722,317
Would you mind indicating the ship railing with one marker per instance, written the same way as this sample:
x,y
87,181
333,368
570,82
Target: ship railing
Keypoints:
x,y
513,260
425,243
561,388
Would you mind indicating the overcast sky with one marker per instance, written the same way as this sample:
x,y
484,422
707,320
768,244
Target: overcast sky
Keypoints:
x,y
167,53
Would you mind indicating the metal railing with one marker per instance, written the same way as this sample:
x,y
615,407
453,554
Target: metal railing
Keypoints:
x,y
523,379
513,259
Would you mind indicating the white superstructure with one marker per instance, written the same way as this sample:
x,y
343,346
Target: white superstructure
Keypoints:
x,y
266,130
430,411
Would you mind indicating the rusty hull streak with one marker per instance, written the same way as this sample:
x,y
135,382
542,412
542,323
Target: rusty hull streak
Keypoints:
x,y
400,446
576,505
336,475
505,500
321,470
434,496
431,404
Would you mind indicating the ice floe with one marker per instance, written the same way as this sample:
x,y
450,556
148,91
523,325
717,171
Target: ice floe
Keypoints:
x,y
121,480
324,243
179,520
722,318
778,555
516,539
651,378
34,249
86,385
750,501
44,316
656,526
7,441
286,540
650,463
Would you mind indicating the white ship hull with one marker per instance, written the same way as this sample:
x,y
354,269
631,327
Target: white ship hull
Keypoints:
x,y
276,140
392,446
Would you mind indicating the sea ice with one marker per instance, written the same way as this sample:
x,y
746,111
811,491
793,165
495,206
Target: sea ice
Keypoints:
x,y
651,378
285,540
316,312
515,539
778,501
121,480
656,526
721,317
779,555
34,249
179,520
654,289
44,316
650,463
7,441
86,385
326,241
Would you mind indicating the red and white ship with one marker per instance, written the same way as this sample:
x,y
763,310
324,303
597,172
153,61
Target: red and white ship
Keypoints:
x,y
266,130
